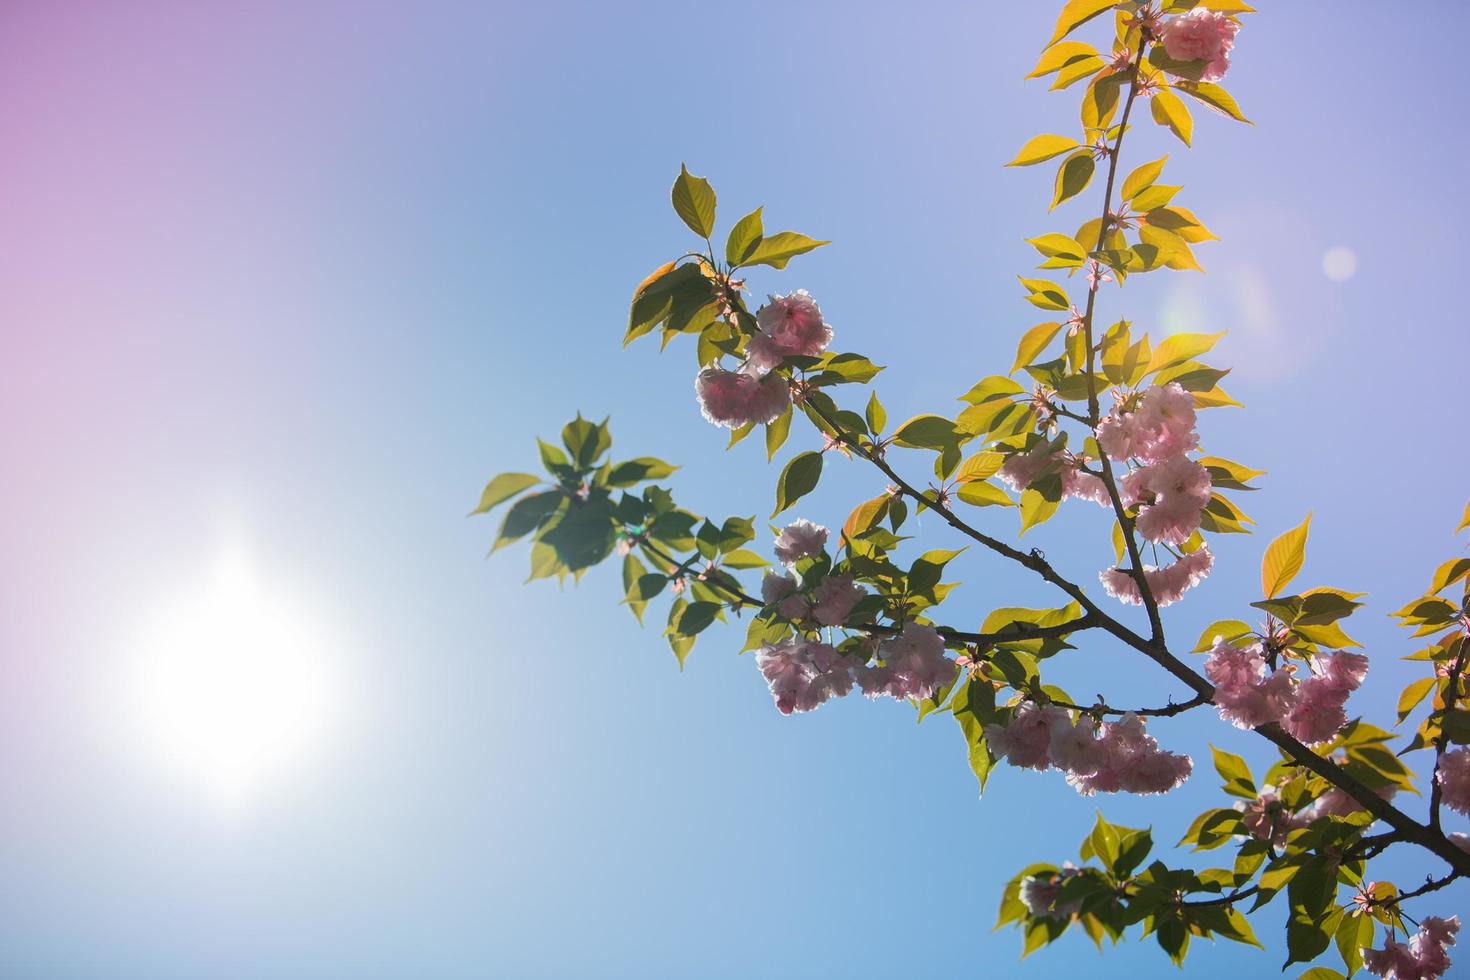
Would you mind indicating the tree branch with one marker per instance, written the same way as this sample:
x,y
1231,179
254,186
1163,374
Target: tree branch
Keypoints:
x,y
1442,743
1168,711
1150,604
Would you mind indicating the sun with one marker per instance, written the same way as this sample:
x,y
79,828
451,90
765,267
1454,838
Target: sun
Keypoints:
x,y
232,683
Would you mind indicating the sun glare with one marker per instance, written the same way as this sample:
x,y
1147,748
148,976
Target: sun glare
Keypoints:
x,y
232,683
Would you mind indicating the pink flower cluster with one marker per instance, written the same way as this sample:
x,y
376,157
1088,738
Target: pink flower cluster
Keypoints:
x,y
1117,756
1160,426
1421,958
1454,780
800,539
789,326
1201,35
1312,710
804,673
828,604
914,665
1168,584
736,398
1171,496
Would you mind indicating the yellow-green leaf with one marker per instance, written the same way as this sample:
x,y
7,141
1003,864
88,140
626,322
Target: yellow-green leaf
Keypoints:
x,y
1046,294
1043,147
1063,248
1169,110
694,201
1033,343
980,466
1075,14
1412,695
1180,347
864,516
983,494
1143,177
1073,176
778,249
1215,97
502,488
1059,56
744,238
1284,558
797,480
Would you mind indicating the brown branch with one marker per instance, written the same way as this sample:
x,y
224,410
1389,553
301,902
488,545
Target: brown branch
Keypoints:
x,y
1430,885
1442,743
1230,899
1168,711
1150,604
1014,633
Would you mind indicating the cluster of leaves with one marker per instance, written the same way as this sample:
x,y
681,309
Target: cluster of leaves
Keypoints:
x,y
1432,614
587,507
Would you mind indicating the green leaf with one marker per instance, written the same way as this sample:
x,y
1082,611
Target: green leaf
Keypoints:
x,y
1034,343
1179,348
502,488
876,417
678,295
1412,695
1213,96
1237,775
983,494
1142,178
632,471
981,466
1170,111
744,238
1325,973
776,433
1073,176
1075,14
1354,935
926,432
694,618
864,516
583,533
526,515
1284,558
778,249
1448,574
1045,294
1229,475
973,708
1042,148
798,479
586,441
694,201
1228,630
1036,508
1059,56
1060,251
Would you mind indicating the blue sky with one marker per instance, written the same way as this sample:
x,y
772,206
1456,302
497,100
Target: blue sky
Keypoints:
x,y
293,280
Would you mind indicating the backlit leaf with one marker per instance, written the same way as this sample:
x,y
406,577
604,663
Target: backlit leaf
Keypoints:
x,y
694,201
1284,558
